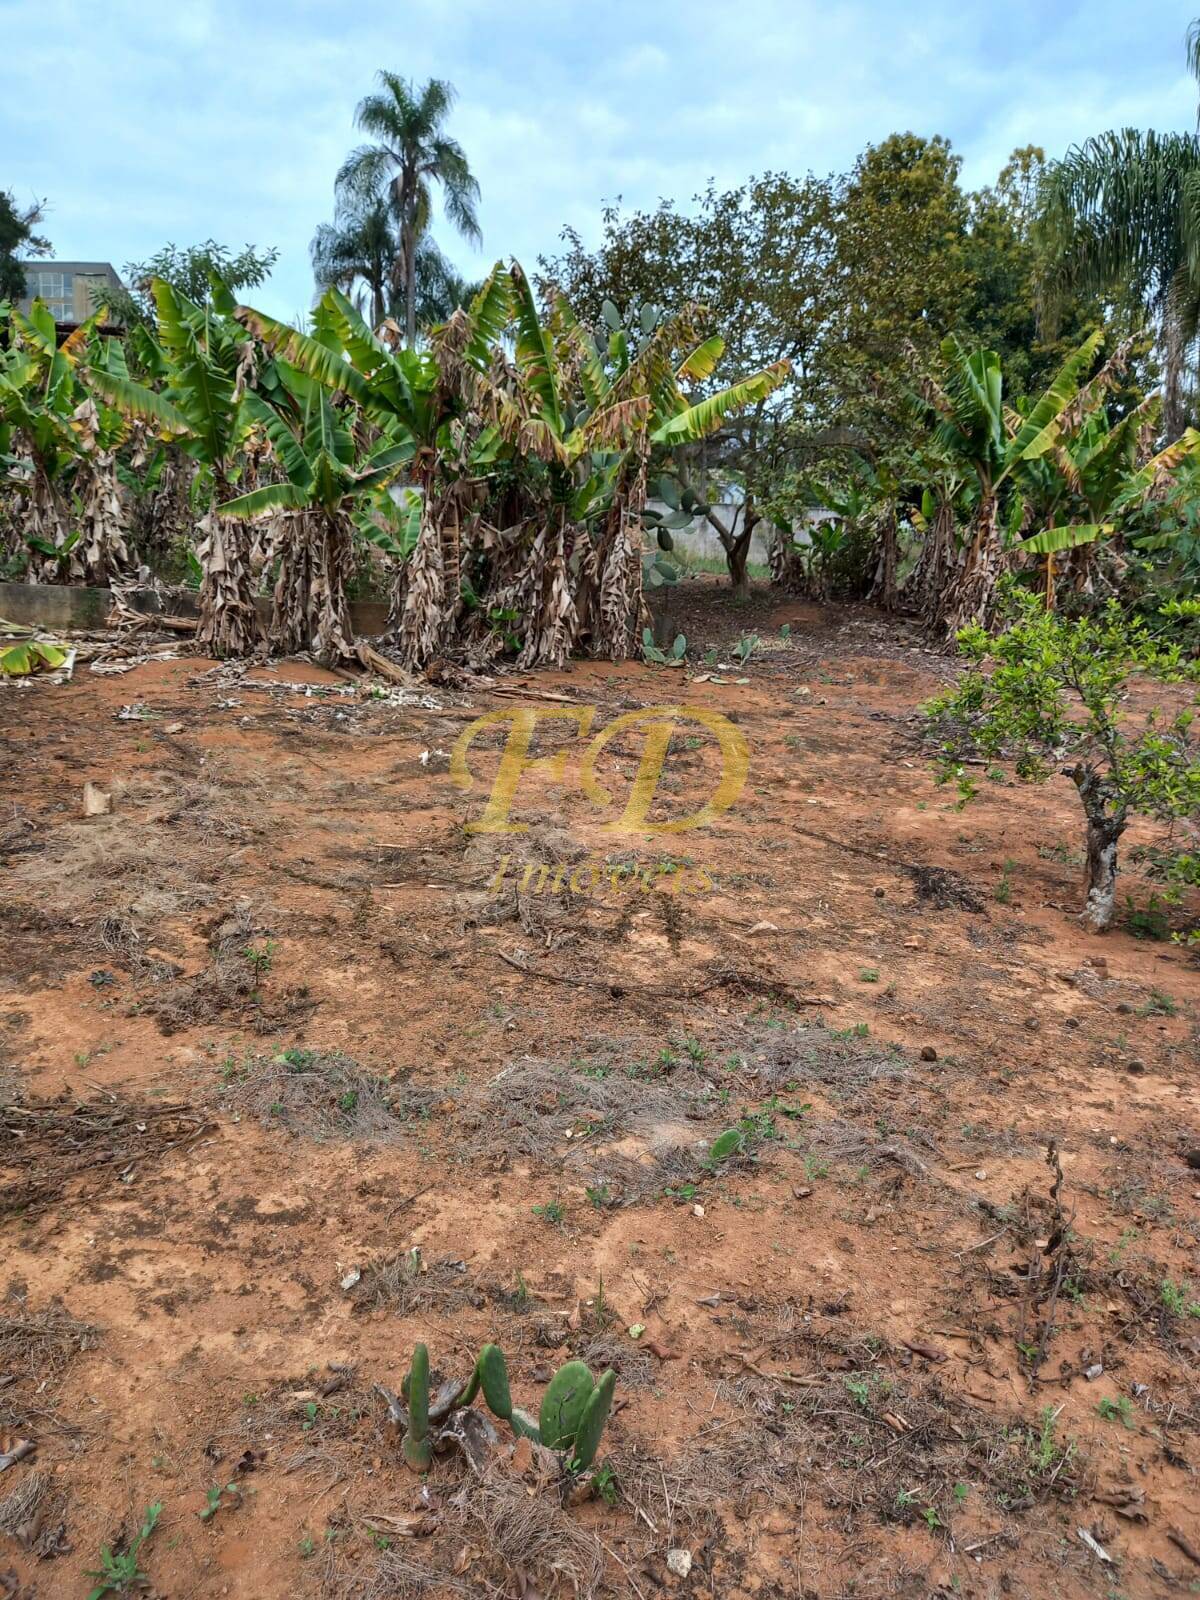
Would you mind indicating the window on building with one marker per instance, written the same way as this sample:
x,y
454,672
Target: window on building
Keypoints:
x,y
49,285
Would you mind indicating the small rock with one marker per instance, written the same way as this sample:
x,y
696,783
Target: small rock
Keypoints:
x,y
1135,1064
96,802
879,892
1093,1372
981,1174
802,1191
1124,1009
1032,1024
1191,1158
1070,1022
762,927
679,1562
697,1211
928,1053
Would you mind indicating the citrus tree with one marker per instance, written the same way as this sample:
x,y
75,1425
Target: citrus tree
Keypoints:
x,y
1052,695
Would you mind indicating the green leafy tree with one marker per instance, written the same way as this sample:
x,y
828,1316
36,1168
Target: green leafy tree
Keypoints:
x,y
1054,697
190,270
757,259
17,237
411,154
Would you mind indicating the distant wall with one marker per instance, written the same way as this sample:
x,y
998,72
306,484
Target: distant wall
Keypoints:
x,y
701,538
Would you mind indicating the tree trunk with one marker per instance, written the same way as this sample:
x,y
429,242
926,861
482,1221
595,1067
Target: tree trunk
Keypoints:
x,y
1106,821
409,247
883,589
737,554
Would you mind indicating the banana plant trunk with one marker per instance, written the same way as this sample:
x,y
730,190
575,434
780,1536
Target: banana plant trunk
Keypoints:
x,y
883,590
104,552
550,627
621,604
419,598
229,625
48,520
972,596
1106,822
310,610
935,565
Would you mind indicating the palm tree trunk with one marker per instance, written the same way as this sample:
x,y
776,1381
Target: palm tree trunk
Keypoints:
x,y
409,247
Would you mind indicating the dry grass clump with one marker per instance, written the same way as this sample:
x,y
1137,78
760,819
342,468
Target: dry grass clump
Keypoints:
x,y
905,1451
515,1531
41,1344
36,1348
239,982
323,1095
32,1514
540,1109
406,1284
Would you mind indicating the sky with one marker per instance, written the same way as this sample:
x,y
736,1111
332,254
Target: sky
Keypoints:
x,y
148,121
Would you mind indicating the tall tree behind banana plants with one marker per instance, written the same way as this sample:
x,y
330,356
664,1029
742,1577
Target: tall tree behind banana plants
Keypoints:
x,y
1120,212
360,246
411,154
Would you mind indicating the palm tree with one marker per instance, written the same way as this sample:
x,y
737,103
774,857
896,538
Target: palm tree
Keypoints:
x,y
361,244
411,154
1123,210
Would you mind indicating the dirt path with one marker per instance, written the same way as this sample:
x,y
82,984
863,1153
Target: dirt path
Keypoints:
x,y
282,1018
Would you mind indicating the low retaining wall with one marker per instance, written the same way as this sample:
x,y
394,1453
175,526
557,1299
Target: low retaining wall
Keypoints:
x,y
54,605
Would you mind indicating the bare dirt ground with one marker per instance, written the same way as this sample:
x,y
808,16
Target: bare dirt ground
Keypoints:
x,y
268,1028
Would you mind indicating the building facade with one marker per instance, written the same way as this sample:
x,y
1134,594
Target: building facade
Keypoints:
x,y
66,287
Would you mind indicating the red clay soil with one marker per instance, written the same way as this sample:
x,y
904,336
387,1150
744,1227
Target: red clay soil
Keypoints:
x,y
275,1023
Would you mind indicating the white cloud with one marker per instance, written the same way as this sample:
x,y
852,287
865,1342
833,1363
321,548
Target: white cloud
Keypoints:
x,y
212,118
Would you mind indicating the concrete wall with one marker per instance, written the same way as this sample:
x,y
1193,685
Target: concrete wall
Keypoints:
x,y
701,538
52,605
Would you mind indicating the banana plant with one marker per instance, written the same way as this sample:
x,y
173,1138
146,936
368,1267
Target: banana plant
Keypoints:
x,y
207,362
316,452
58,453
409,397
972,426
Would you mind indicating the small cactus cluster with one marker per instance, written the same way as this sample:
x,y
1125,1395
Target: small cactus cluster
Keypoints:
x,y
573,1412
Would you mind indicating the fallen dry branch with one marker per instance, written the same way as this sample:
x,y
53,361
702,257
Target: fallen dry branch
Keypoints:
x,y
46,1145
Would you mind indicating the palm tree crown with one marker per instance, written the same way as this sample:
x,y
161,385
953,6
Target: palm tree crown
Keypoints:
x,y
1123,210
411,154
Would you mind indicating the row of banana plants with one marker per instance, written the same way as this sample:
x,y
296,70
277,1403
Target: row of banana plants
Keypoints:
x,y
981,485
498,475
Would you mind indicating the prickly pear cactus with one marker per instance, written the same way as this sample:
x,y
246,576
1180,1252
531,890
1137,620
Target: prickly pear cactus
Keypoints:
x,y
567,1393
591,1424
418,1451
493,1376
